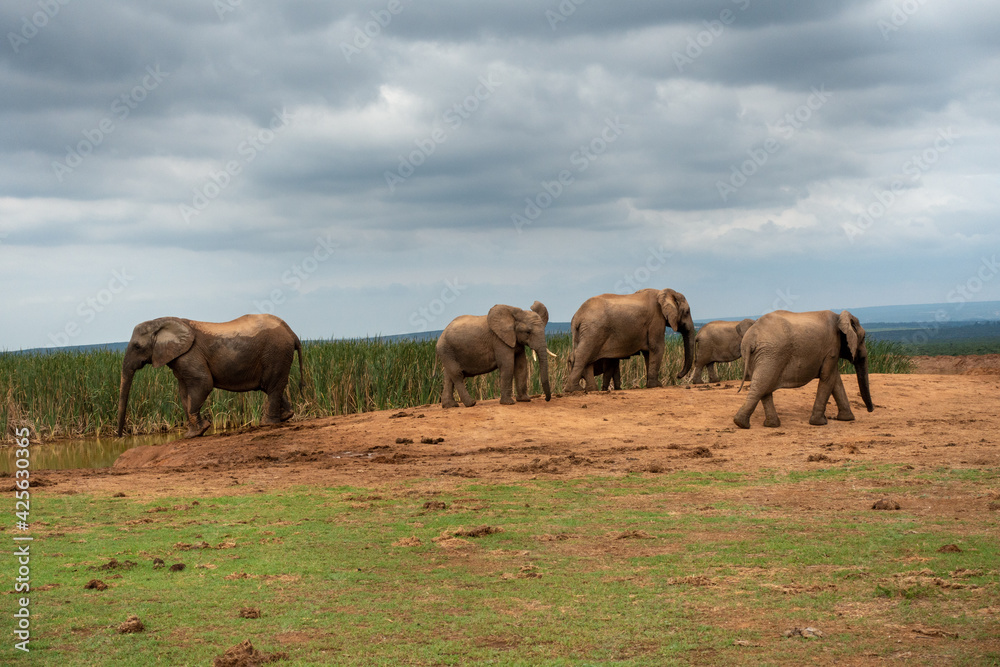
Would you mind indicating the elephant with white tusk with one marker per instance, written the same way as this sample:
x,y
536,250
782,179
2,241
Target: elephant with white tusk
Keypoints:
x,y
717,341
250,353
477,344
616,326
784,350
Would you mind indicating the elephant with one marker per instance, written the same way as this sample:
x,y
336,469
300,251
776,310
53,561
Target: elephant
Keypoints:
x,y
717,341
608,369
477,344
784,350
616,326
250,353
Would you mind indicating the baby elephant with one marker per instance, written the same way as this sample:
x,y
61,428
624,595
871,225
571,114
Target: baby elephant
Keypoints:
x,y
717,341
476,344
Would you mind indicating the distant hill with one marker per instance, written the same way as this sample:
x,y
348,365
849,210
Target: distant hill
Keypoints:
x,y
945,321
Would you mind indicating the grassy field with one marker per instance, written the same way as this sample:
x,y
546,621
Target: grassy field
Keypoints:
x,y
69,394
666,569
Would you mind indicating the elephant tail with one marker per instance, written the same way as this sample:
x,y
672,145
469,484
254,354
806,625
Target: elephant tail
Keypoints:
x,y
302,371
746,370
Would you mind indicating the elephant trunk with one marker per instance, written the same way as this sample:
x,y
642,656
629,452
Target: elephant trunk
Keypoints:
x,y
687,333
126,388
861,368
543,370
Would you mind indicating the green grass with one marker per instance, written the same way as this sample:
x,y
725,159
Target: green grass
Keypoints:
x,y
558,585
72,394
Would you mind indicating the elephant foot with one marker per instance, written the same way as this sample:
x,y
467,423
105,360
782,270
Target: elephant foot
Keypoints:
x,y
818,420
845,416
524,399
195,431
449,404
469,403
772,423
653,385
742,422
286,415
507,400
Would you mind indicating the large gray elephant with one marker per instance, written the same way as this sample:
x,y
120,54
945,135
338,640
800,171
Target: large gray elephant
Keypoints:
x,y
477,344
616,326
717,342
250,353
784,350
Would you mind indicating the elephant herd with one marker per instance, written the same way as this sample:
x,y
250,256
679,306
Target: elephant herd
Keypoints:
x,y
779,350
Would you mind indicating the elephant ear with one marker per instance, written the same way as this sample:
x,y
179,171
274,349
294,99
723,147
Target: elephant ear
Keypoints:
x,y
742,327
500,320
172,339
542,311
847,324
674,306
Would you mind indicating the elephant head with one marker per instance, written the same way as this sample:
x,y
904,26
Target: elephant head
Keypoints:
x,y
853,349
158,342
678,313
515,326
743,326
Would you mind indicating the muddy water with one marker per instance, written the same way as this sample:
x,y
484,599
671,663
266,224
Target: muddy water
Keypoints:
x,y
90,453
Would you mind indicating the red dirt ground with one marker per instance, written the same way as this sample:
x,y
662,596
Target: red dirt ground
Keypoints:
x,y
949,418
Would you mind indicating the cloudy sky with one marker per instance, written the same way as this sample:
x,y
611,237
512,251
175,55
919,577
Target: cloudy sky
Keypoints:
x,y
380,167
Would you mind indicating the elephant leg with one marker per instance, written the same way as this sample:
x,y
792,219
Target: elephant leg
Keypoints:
x,y
506,381
765,379
827,380
653,360
193,397
277,409
696,376
584,356
448,392
713,376
521,377
844,412
770,414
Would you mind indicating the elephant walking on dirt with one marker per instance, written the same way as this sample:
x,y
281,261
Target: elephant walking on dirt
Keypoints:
x,y
250,353
477,344
616,326
785,350
717,342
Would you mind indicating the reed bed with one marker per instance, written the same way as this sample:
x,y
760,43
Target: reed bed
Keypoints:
x,y
74,394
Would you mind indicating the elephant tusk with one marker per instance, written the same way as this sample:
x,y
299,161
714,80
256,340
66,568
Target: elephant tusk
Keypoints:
x,y
551,353
534,356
